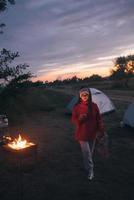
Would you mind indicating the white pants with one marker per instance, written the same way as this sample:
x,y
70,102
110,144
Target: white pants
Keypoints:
x,y
86,148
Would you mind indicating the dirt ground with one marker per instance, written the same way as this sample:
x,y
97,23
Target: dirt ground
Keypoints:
x,y
59,172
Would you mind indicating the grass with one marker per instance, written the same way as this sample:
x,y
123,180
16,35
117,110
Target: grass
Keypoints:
x,y
18,107
59,173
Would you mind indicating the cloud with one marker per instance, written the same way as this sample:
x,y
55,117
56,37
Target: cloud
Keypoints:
x,y
50,34
107,57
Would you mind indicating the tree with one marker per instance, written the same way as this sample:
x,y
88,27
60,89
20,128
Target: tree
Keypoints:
x,y
123,69
74,79
95,77
3,6
8,72
130,65
15,80
2,25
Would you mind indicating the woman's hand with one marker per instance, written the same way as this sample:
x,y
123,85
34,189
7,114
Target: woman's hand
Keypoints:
x,y
82,117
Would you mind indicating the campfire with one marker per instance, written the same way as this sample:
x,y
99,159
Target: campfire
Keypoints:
x,y
19,143
19,156
18,151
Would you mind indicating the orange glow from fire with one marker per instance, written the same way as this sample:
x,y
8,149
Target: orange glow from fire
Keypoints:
x,y
20,143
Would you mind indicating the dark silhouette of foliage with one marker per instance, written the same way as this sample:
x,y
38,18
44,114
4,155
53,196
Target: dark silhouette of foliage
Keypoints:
x,y
16,86
38,84
3,6
16,80
95,77
123,69
2,25
74,80
8,72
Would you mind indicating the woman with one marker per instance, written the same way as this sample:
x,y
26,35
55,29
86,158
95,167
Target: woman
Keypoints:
x,y
89,127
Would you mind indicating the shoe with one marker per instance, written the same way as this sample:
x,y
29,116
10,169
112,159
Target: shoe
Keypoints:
x,y
90,176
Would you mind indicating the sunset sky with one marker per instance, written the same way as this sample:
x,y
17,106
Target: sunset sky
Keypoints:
x,y
63,38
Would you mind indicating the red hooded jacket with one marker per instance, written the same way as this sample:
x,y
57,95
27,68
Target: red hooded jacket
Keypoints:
x,y
91,125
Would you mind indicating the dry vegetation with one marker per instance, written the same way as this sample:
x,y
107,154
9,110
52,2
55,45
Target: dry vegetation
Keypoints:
x,y
59,173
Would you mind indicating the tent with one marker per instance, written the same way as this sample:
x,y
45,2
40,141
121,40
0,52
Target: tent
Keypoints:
x,y
105,105
128,118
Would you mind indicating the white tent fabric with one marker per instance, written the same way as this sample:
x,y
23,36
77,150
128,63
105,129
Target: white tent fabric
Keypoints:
x,y
105,105
128,118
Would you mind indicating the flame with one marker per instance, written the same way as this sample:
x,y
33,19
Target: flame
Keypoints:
x,y
7,137
20,143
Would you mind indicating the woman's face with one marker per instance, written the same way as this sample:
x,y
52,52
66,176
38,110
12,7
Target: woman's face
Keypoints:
x,y
84,97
